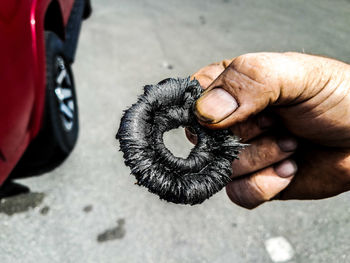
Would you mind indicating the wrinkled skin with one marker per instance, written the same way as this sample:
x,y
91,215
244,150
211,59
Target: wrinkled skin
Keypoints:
x,y
294,111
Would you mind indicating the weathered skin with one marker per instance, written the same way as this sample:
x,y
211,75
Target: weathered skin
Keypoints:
x,y
303,96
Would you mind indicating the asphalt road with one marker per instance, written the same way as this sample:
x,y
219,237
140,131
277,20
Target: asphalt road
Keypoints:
x,y
89,210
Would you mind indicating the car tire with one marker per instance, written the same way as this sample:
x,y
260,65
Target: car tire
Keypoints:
x,y
59,132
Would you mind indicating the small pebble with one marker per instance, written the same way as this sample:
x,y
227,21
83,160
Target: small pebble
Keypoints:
x,y
167,65
87,208
279,249
44,210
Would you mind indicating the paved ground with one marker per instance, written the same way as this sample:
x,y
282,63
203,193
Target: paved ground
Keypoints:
x,y
89,210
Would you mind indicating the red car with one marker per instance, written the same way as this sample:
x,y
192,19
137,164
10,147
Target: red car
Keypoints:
x,y
38,107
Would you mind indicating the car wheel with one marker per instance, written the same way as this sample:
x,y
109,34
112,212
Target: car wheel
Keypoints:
x,y
60,124
62,108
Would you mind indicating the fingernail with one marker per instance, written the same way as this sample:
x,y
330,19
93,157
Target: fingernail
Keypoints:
x,y
286,168
191,130
215,105
287,144
191,135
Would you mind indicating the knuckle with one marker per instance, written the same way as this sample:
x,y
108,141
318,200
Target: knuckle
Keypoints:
x,y
252,66
256,155
239,61
261,153
248,130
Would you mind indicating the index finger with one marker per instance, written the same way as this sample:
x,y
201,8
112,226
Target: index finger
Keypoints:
x,y
208,74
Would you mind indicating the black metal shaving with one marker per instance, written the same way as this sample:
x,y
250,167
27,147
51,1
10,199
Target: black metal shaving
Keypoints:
x,y
163,107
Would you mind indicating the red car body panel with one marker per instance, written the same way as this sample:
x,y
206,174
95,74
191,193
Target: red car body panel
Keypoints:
x,y
22,75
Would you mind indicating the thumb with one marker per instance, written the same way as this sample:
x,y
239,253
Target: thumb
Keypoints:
x,y
254,81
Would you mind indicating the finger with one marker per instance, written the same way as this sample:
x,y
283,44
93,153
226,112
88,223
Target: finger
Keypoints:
x,y
251,191
253,127
323,173
208,74
254,81
191,135
246,131
263,152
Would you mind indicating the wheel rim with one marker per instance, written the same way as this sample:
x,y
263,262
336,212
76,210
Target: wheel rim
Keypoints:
x,y
64,94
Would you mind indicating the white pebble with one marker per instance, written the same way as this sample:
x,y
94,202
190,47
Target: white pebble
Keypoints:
x,y
279,249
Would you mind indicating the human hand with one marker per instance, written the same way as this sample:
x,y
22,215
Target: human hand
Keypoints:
x,y
278,102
